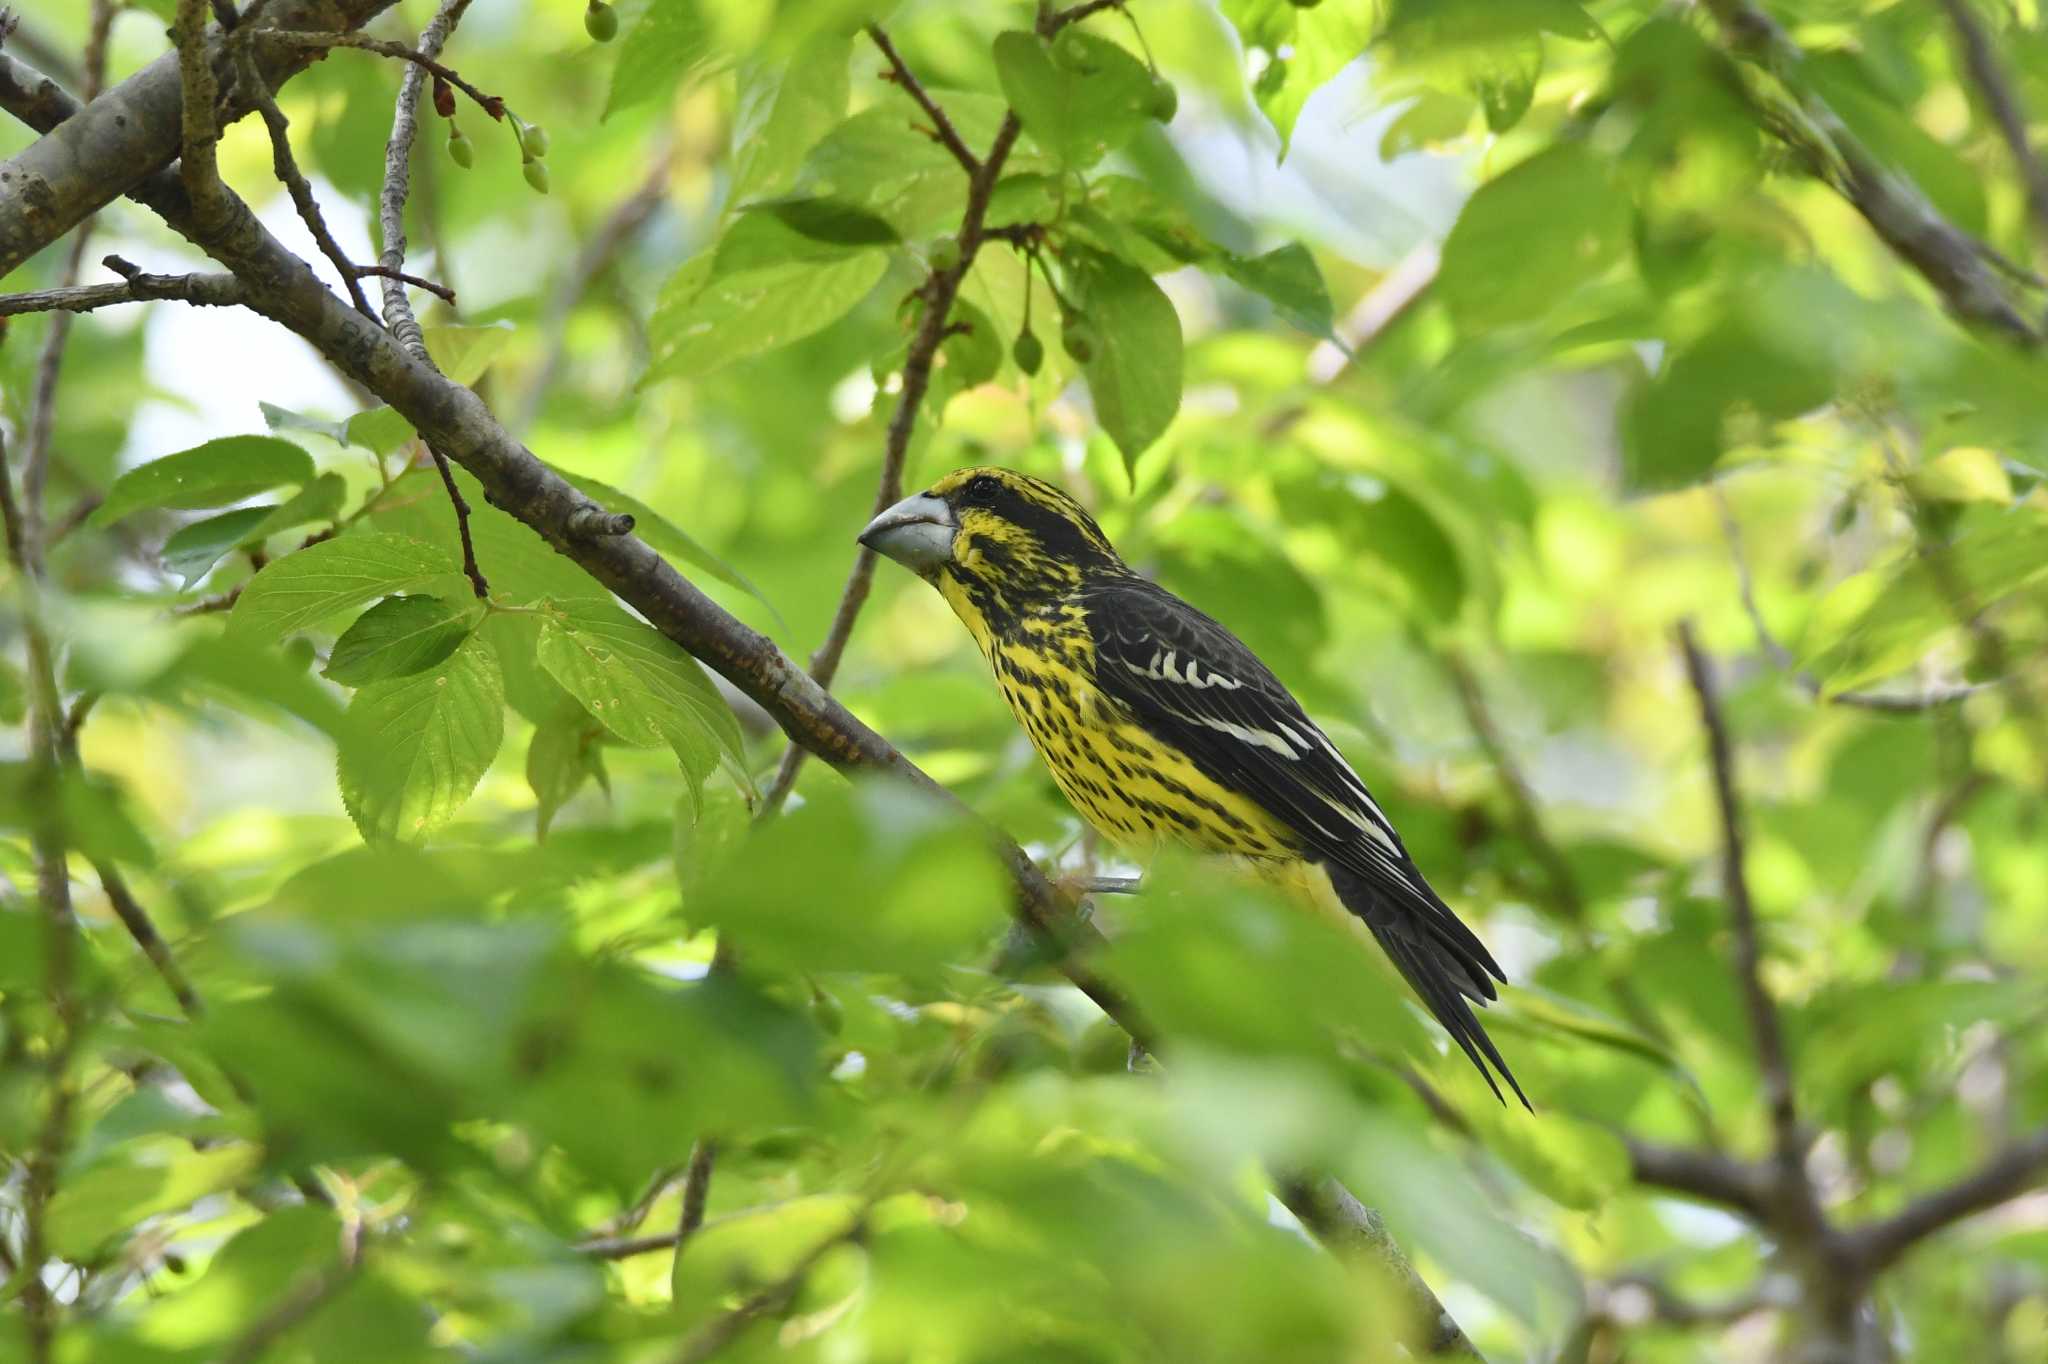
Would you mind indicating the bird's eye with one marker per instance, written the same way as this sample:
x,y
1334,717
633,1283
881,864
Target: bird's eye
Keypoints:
x,y
981,488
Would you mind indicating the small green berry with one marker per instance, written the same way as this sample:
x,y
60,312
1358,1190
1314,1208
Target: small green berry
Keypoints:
x,y
461,149
533,141
1079,339
1028,351
945,255
601,22
1165,101
537,175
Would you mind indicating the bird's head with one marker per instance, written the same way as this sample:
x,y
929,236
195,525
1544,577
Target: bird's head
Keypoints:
x,y
1000,540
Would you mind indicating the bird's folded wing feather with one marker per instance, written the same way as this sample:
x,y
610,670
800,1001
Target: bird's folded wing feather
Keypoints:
x,y
1196,686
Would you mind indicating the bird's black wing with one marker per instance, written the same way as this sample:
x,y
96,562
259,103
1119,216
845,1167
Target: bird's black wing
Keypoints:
x,y
1195,686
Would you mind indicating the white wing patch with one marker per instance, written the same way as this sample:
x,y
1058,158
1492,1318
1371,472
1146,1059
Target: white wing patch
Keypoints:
x,y
1245,734
1164,667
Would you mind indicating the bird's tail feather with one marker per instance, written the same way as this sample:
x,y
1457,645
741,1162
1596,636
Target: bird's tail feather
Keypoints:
x,y
1438,965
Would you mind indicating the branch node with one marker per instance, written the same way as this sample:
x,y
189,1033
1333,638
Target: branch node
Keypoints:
x,y
592,522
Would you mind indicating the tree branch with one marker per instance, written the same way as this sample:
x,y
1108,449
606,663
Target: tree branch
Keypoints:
x,y
1350,1228
2004,103
938,293
423,58
1703,1175
711,1338
209,290
1876,1246
1765,1033
398,315
119,140
286,167
1964,271
942,127
1885,703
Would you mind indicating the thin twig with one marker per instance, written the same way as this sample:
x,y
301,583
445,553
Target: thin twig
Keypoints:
x,y
2019,1167
942,127
140,927
42,423
469,567
398,315
207,290
1962,269
286,167
937,293
1565,895
197,164
2006,110
1630,1299
1704,1175
422,57
53,887
1886,703
1766,1033
440,291
1074,14
305,1298
712,1337
696,1190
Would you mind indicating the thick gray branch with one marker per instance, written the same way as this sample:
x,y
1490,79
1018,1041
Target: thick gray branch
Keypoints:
x,y
131,132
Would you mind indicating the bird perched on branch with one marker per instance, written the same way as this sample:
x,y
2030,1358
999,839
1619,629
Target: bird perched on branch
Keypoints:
x,y
1161,726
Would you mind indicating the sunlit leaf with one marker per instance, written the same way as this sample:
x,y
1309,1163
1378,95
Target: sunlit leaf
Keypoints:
x,y
210,475
414,747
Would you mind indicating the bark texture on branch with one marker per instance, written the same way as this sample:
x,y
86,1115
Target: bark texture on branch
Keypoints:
x,y
104,150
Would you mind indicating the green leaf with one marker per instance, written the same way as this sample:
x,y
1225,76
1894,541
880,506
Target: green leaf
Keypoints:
x,y
193,550
1677,424
564,754
704,320
413,748
1080,98
1532,237
397,637
284,419
914,884
1882,621
639,684
1135,373
1302,46
380,430
878,160
464,353
309,585
664,535
669,41
783,111
210,475
110,1200
1289,278
967,358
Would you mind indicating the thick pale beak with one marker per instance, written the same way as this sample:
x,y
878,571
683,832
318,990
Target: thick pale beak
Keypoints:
x,y
917,533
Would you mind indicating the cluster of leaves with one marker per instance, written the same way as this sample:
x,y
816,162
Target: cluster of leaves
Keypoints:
x,y
448,869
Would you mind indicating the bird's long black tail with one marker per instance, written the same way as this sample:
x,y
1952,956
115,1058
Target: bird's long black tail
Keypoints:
x,y
1440,958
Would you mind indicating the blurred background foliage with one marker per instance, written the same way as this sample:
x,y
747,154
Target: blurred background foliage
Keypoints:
x,y
1509,335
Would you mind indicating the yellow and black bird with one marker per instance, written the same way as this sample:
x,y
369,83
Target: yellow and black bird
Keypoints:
x,y
1161,726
